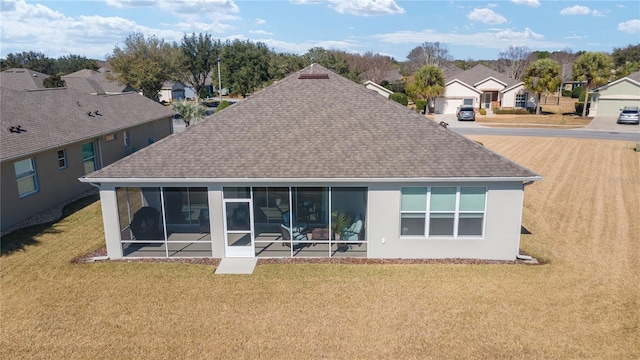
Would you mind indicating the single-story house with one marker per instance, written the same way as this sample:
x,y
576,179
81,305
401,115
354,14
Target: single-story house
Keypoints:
x,y
94,82
50,137
314,165
378,88
171,91
609,99
483,88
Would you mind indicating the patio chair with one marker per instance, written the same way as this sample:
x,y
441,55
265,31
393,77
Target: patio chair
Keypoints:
x,y
295,235
352,233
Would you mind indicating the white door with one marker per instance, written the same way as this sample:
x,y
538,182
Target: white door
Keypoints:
x,y
239,241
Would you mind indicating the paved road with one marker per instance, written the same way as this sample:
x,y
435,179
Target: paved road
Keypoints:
x,y
605,130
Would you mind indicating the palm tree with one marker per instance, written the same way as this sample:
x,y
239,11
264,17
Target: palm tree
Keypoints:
x,y
427,84
594,68
190,112
540,77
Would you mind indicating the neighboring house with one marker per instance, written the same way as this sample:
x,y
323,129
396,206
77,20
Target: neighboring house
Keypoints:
x,y
50,137
483,88
609,99
22,79
268,177
93,82
378,88
171,91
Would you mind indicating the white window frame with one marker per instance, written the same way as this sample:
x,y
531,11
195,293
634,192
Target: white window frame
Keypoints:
x,y
125,135
465,100
33,173
456,219
62,158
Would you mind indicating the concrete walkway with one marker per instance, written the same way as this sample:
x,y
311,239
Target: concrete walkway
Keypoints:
x,y
236,266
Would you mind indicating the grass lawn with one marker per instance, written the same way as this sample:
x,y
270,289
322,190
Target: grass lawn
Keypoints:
x,y
583,303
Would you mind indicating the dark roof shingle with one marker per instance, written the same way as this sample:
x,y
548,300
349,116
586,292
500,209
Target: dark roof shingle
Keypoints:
x,y
314,129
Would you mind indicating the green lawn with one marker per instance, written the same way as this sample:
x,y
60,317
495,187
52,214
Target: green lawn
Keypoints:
x,y
582,304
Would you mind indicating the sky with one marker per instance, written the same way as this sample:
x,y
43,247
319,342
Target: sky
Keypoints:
x,y
475,30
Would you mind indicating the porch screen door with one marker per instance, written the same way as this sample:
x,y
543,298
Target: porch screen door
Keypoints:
x,y
486,100
239,240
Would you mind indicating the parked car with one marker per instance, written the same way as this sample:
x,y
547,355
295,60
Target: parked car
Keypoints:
x,y
629,115
466,113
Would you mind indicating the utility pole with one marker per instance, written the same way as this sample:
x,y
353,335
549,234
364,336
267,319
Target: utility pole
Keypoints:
x,y
219,81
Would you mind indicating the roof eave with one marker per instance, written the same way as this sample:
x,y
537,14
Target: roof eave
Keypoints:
x,y
86,179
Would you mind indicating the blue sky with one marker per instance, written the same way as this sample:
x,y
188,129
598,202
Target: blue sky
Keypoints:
x,y
470,29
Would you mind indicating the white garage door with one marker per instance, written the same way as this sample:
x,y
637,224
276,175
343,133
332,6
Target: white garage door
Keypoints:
x,y
447,106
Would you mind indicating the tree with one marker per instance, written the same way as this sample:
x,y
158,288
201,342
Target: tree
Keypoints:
x,y
540,77
72,63
427,84
565,59
245,66
199,57
144,63
190,112
372,66
429,53
334,60
32,60
283,64
513,61
54,81
594,68
622,56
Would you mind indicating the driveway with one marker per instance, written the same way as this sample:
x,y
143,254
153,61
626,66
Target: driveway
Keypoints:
x,y
609,123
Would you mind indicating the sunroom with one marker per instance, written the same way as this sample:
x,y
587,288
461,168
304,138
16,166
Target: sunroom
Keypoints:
x,y
257,222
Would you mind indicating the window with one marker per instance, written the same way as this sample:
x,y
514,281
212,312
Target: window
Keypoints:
x,y
443,211
521,100
62,159
126,138
26,177
467,102
88,157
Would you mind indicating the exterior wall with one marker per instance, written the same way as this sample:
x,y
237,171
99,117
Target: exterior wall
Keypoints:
x,y
453,96
609,100
56,185
502,227
490,85
501,239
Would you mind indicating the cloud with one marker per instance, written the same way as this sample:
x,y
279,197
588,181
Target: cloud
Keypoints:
x,y
486,16
359,7
261,21
576,10
123,4
532,3
260,32
630,26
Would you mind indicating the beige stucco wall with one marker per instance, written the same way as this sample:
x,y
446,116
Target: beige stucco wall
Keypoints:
x,y
454,93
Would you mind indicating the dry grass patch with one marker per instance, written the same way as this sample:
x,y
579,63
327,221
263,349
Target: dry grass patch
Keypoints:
x,y
583,304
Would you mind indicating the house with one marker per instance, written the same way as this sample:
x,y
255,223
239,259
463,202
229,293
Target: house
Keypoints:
x,y
94,82
314,165
609,99
378,88
50,137
171,91
483,88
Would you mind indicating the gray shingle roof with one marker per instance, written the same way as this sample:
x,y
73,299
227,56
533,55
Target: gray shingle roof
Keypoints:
x,y
56,117
22,79
314,129
92,82
479,73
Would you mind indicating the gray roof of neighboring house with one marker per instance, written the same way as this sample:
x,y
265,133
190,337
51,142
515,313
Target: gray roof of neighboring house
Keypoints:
x,y
93,82
56,117
22,79
634,76
305,128
479,73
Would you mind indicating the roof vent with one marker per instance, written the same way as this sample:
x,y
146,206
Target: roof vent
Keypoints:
x,y
313,76
16,129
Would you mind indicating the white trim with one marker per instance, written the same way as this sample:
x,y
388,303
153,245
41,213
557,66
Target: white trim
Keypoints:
x,y
205,181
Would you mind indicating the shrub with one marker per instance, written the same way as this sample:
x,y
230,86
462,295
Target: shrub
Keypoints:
x,y
483,111
513,111
223,104
579,107
566,93
400,98
581,98
421,105
576,92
